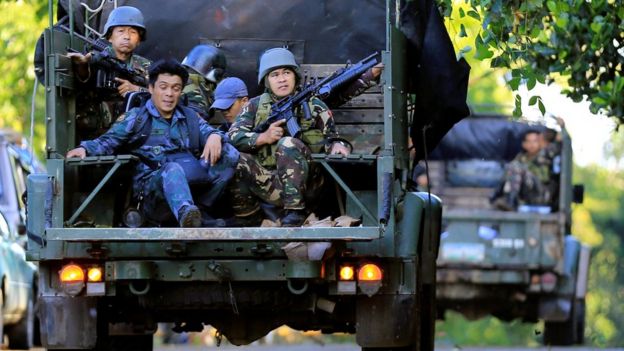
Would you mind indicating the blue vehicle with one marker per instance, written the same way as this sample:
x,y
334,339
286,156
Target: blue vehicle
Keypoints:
x,y
18,277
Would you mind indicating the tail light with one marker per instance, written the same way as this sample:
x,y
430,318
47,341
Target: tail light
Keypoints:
x,y
370,272
94,274
347,273
72,273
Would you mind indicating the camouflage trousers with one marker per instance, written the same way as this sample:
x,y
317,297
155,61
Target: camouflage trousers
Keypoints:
x,y
285,186
524,186
167,190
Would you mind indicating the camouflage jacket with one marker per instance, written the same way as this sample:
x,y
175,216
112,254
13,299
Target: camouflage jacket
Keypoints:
x,y
166,137
316,131
200,94
539,165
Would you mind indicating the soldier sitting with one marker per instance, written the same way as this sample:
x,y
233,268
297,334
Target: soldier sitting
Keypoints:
x,y
275,166
165,136
526,177
230,97
206,65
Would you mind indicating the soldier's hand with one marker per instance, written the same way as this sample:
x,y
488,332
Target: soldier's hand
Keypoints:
x,y
79,58
274,133
125,87
339,148
376,70
77,152
212,150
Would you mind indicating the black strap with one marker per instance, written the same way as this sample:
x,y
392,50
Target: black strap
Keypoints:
x,y
192,123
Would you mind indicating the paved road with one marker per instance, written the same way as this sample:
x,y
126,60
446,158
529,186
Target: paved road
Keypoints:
x,y
343,347
312,347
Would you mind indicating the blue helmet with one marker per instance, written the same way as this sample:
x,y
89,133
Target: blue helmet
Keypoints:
x,y
126,16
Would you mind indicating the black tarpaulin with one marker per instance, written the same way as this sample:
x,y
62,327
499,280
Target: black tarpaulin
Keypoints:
x,y
484,138
438,79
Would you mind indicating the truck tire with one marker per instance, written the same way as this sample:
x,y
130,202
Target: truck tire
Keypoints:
x,y
22,334
566,333
130,343
580,322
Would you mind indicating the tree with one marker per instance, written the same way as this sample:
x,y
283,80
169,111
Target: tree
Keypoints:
x,y
20,25
576,42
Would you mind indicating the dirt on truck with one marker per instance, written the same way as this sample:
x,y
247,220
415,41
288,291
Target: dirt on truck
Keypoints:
x,y
105,286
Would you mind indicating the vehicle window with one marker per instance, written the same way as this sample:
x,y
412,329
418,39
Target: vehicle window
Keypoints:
x,y
4,227
20,175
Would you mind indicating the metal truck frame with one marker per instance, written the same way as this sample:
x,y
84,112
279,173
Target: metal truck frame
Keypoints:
x,y
238,280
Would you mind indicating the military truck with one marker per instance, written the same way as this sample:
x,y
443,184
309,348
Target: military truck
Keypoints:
x,y
522,264
105,286
18,295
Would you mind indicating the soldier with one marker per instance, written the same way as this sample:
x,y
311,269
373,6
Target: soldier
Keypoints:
x,y
168,166
124,29
526,177
206,65
274,166
230,97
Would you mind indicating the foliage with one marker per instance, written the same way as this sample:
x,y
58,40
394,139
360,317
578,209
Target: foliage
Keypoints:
x,y
20,25
576,41
604,229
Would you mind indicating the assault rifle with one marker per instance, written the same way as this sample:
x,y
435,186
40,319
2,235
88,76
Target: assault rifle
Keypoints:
x,y
109,67
285,108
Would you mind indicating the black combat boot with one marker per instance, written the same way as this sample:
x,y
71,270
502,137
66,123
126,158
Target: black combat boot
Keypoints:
x,y
190,217
293,218
252,220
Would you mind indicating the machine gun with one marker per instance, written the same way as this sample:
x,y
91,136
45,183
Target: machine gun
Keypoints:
x,y
109,67
285,108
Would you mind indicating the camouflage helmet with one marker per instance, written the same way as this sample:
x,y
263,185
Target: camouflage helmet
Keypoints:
x,y
125,16
206,60
275,58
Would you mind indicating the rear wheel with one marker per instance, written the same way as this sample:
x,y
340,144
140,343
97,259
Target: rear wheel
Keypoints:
x,y
21,335
567,333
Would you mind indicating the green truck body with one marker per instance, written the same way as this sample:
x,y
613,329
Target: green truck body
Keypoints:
x,y
519,264
239,280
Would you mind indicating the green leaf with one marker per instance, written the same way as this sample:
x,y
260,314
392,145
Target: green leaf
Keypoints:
x,y
514,83
531,83
517,112
542,109
533,100
483,52
462,31
462,13
474,15
552,6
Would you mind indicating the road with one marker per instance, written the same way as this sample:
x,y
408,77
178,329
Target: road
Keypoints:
x,y
342,347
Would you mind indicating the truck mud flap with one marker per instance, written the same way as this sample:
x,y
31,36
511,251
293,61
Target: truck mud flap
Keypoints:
x,y
386,320
68,323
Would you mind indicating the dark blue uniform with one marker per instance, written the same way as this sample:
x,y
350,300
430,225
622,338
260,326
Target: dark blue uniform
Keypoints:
x,y
157,178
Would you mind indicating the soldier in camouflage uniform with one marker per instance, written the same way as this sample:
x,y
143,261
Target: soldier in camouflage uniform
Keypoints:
x,y
526,177
206,65
168,166
275,167
124,29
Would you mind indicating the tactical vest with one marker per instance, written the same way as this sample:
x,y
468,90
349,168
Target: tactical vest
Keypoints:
x,y
310,135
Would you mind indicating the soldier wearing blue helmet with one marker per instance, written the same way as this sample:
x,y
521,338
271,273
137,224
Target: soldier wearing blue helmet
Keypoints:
x,y
125,30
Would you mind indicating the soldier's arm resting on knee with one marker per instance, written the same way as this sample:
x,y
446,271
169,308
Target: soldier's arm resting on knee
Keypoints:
x,y
325,122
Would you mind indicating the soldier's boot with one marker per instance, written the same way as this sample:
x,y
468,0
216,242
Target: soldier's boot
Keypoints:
x,y
252,220
293,218
189,216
